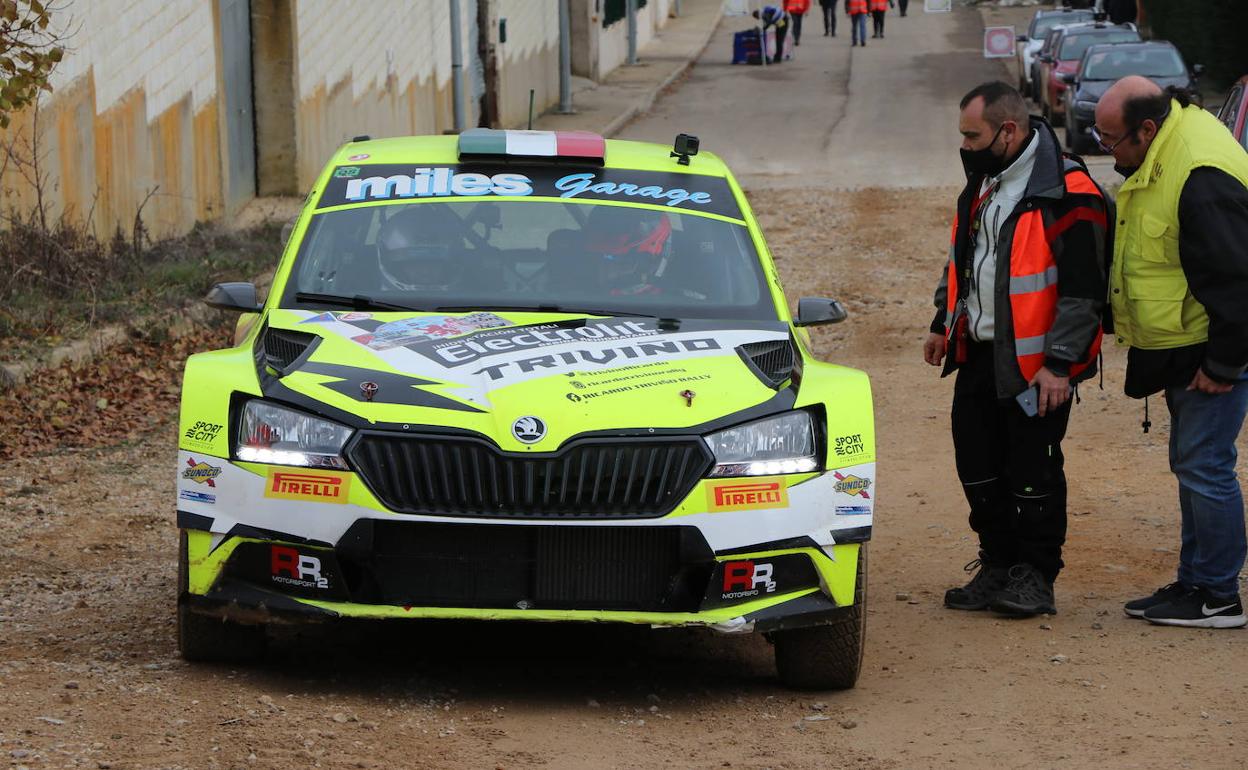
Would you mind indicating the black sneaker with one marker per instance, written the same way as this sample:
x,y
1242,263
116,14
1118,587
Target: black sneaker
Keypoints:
x,y
1135,608
1027,593
1198,608
977,594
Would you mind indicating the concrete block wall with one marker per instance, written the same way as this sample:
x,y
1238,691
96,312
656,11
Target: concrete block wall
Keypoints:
x,y
596,50
139,101
383,72
134,109
528,60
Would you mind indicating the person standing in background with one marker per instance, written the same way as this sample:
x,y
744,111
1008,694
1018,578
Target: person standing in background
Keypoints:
x,y
829,17
797,10
857,12
1177,288
902,5
878,9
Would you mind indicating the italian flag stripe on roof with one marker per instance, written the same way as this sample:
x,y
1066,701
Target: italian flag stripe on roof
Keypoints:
x,y
532,144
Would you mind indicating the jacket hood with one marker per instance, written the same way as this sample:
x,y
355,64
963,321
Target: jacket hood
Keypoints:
x,y
483,371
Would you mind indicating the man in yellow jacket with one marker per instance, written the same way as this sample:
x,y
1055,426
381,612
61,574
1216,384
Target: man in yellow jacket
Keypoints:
x,y
1179,294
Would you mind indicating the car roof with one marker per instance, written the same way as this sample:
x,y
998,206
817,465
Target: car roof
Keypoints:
x,y
1092,30
1081,12
444,149
1135,44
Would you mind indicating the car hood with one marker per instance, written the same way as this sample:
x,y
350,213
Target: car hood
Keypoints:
x,y
483,371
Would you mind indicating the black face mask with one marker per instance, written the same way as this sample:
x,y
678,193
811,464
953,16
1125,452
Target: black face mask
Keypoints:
x,y
983,161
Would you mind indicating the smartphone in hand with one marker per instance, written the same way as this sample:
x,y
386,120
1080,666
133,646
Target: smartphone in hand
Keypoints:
x,y
1029,401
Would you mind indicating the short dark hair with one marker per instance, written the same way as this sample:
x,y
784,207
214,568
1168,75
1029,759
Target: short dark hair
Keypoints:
x,y
1154,107
1002,102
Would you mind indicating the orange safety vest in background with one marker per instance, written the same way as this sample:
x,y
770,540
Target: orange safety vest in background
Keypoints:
x,y
797,6
1033,280
879,5
856,7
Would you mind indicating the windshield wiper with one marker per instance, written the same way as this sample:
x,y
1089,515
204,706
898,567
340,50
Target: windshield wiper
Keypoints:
x,y
539,309
356,302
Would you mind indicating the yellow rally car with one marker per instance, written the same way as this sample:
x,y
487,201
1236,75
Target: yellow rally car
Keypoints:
x,y
522,375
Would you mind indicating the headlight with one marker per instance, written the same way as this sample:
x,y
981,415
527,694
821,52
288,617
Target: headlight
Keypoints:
x,y
1089,106
275,435
781,444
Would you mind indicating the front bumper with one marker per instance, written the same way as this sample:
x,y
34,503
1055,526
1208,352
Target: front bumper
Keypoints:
x,y
254,580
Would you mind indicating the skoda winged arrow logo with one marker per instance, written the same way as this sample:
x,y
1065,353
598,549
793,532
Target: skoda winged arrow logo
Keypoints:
x,y
528,430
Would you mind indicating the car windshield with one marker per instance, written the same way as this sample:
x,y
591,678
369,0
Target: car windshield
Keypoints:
x,y
1040,26
1073,45
513,253
1149,62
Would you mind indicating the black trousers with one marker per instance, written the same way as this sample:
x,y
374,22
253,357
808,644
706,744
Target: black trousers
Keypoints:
x,y
781,31
877,17
829,18
1011,469
797,27
901,6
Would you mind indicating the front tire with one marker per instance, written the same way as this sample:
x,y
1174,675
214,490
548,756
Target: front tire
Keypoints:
x,y
827,657
204,639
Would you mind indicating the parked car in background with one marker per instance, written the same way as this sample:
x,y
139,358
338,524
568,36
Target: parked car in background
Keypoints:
x,y
1030,42
1066,53
1105,63
1234,113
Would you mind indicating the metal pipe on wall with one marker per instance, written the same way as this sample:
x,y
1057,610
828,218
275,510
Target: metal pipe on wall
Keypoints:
x,y
457,67
565,57
632,31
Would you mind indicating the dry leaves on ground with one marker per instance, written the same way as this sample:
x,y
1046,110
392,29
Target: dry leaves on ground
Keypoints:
x,y
125,392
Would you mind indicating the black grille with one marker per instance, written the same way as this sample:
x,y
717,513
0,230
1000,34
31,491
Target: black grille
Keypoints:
x,y
772,360
282,347
517,566
463,476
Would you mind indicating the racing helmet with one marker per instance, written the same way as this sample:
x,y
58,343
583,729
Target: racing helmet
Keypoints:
x,y
418,248
632,244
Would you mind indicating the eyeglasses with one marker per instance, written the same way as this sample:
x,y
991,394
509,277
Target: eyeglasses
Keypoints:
x,y
1100,141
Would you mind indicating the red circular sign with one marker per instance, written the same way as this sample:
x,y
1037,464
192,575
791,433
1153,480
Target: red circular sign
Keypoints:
x,y
1000,42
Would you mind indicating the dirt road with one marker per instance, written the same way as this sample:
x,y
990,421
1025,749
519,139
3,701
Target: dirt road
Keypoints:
x,y
89,674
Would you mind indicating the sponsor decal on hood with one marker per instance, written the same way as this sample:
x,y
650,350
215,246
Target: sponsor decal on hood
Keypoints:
x,y
466,357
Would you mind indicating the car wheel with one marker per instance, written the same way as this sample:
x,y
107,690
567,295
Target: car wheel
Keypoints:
x,y
206,639
827,657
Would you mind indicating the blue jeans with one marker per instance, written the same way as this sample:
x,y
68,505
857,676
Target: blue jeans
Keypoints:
x,y
1203,429
858,27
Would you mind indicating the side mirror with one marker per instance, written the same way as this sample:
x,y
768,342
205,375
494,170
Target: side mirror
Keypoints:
x,y
1198,70
238,296
1021,38
1068,77
814,311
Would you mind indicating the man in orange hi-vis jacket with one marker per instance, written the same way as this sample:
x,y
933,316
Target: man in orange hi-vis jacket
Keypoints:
x,y
857,12
878,8
796,10
1019,319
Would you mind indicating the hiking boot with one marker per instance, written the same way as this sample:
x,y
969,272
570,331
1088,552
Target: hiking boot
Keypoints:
x,y
1198,608
1135,608
977,594
1027,593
